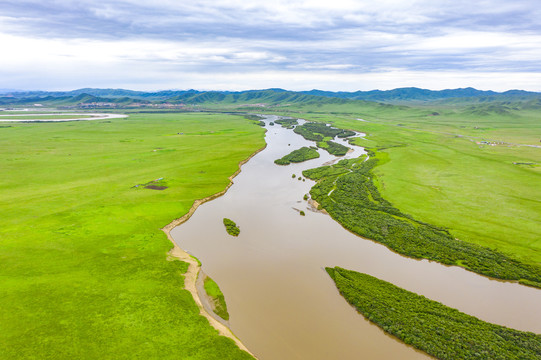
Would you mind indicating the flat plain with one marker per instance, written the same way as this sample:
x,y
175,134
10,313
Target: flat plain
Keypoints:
x,y
84,271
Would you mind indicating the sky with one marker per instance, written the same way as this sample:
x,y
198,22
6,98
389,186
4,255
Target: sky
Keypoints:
x,y
338,45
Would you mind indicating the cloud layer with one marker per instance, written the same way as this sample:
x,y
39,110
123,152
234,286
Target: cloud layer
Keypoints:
x,y
295,44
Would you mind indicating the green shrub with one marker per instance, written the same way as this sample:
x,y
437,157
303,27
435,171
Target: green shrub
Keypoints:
x,y
217,298
287,123
231,227
336,149
297,156
356,203
441,331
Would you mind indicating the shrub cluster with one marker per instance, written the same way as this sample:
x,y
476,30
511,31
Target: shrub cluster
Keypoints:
x,y
287,123
336,149
319,131
356,203
231,227
441,331
299,155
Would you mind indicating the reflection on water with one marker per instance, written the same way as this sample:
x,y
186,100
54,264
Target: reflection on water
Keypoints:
x,y
282,303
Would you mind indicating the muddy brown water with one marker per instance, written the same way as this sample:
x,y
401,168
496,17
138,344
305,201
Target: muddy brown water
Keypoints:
x,y
282,303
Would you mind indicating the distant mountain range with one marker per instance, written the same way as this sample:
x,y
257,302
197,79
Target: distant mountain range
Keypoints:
x,y
268,96
413,93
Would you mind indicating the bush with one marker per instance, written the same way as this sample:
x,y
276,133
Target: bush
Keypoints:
x,y
231,227
441,331
356,203
297,156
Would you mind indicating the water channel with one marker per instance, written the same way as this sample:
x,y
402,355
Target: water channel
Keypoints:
x,y
282,303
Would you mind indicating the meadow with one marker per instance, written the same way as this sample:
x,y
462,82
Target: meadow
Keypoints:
x,y
84,263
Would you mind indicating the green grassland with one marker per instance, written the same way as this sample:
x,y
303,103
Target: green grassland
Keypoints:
x,y
84,272
218,300
438,173
441,331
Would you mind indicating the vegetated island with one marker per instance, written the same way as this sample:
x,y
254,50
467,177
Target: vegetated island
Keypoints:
x,y
322,134
297,156
231,228
441,331
287,123
347,192
333,148
319,131
217,299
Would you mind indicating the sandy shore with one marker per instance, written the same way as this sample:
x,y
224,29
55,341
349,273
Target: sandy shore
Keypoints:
x,y
194,269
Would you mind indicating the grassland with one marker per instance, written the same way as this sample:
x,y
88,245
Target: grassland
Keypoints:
x,y
441,331
84,272
218,300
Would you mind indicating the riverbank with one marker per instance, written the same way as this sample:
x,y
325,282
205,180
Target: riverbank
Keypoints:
x,y
194,268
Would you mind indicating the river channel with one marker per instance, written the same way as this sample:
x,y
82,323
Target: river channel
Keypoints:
x,y
282,303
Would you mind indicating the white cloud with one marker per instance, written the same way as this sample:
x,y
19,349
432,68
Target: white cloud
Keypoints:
x,y
343,44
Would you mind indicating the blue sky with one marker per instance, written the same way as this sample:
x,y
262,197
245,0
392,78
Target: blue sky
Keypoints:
x,y
297,45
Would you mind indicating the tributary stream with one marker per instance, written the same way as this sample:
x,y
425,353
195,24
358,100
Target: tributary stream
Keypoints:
x,y
282,303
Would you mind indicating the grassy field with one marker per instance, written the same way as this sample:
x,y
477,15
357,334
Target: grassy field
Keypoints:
x,y
440,172
84,272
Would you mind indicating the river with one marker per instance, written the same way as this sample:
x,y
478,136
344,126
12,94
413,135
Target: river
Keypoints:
x,y
282,303
49,117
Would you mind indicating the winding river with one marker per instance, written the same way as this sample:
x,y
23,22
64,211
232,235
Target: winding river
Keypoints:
x,y
282,303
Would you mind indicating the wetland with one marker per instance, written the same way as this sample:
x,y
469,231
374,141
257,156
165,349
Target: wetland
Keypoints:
x,y
281,302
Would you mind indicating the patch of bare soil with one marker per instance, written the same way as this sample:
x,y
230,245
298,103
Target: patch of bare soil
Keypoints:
x,y
155,187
